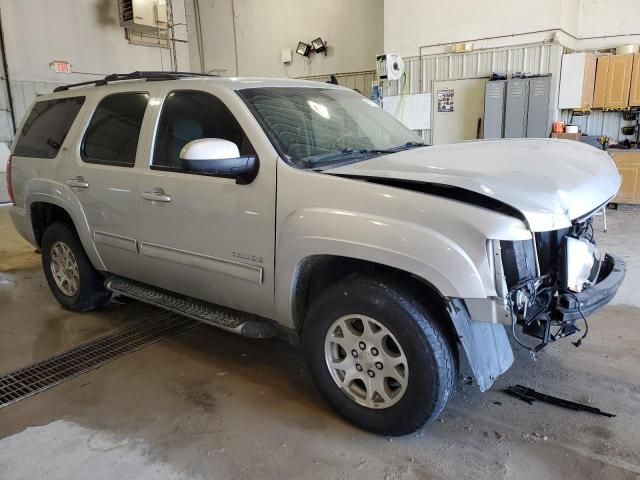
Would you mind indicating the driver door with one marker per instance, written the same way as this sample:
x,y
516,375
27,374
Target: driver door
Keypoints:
x,y
201,235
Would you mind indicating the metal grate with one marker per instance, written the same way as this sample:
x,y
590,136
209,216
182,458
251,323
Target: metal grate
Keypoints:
x,y
47,373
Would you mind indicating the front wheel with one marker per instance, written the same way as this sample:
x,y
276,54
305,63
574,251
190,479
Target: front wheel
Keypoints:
x,y
378,356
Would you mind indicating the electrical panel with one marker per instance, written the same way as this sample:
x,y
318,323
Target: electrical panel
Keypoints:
x,y
143,15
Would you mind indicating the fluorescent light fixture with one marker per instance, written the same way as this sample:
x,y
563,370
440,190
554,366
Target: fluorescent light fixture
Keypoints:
x,y
318,45
303,49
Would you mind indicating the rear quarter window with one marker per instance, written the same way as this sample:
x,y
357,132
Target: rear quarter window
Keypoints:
x,y
47,126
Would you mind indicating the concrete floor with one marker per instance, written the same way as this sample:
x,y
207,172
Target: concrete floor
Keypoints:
x,y
207,404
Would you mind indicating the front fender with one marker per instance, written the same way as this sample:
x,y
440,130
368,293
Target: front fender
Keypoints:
x,y
406,246
48,191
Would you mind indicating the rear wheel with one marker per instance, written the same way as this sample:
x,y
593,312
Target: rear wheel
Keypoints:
x,y
378,356
71,277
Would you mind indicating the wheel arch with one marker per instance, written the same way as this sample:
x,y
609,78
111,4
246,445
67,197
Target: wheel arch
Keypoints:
x,y
317,272
307,238
45,208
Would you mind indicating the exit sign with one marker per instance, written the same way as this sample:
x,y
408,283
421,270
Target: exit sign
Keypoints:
x,y
60,67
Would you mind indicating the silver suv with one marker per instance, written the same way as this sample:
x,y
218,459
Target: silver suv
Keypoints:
x,y
303,210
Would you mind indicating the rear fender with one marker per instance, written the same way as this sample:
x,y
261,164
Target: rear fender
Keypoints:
x,y
47,191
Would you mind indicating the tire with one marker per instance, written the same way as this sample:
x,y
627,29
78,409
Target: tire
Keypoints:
x,y
86,292
428,353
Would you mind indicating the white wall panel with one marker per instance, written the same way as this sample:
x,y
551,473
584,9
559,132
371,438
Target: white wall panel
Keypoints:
x,y
435,25
86,33
257,30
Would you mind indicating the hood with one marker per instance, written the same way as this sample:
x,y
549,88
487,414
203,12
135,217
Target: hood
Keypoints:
x,y
550,182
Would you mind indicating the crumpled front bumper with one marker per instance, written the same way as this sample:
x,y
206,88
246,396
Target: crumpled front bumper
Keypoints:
x,y
590,300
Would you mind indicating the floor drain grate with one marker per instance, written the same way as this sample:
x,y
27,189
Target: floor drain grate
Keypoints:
x,y
47,373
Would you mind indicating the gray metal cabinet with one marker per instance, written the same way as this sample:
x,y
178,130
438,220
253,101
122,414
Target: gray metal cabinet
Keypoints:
x,y
538,107
494,109
515,113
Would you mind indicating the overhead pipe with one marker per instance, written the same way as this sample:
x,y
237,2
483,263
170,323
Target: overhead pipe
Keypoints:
x,y
196,8
235,35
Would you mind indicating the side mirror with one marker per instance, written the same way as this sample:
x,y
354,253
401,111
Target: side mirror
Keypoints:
x,y
218,157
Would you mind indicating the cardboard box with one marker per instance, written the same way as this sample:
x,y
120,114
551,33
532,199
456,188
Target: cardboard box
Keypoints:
x,y
568,136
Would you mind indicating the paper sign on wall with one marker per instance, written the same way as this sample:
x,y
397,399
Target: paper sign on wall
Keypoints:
x,y
414,111
445,100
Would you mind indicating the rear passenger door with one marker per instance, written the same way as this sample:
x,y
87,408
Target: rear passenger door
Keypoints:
x,y
206,236
103,176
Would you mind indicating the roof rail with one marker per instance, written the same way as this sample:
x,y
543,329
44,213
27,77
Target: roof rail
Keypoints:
x,y
139,75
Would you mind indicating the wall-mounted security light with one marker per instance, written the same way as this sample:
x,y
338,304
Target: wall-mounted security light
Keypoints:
x,y
318,45
303,49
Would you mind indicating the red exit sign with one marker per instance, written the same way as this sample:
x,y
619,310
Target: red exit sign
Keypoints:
x,y
60,67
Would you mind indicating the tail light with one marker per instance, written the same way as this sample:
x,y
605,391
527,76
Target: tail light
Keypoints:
x,y
9,188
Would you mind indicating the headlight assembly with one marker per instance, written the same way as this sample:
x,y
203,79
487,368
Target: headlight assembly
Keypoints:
x,y
582,264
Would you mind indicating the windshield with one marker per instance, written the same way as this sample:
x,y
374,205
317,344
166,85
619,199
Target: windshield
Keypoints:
x,y
320,128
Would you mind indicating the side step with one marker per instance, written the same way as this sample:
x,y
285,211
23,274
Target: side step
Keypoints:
x,y
234,321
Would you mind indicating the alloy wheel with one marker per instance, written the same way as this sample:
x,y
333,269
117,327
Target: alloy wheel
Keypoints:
x,y
366,361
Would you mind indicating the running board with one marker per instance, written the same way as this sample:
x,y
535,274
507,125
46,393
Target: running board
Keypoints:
x,y
234,321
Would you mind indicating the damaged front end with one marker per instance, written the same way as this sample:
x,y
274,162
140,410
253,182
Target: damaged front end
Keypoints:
x,y
551,283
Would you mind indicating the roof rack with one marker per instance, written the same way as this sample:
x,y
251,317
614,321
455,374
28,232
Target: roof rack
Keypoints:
x,y
139,75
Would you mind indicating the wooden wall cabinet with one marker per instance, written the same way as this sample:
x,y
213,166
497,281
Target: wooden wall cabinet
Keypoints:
x,y
602,70
613,81
628,164
618,81
634,94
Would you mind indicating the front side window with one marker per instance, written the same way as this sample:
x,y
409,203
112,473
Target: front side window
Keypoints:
x,y
46,127
320,128
112,136
189,115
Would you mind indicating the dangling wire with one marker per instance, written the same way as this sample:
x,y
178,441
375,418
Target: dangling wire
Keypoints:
x,y
537,293
531,351
578,342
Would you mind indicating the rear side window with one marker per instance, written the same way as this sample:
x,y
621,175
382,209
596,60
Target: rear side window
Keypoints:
x,y
112,135
46,127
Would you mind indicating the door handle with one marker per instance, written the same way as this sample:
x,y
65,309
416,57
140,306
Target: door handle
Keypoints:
x,y
77,182
157,195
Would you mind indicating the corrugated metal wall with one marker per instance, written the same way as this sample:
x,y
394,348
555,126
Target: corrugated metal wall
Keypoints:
x,y
422,72
599,123
354,80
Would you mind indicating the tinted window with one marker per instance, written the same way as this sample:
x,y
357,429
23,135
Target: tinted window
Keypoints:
x,y
47,126
187,116
112,135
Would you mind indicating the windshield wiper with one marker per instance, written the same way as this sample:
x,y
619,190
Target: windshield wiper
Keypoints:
x,y
343,154
350,151
407,146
